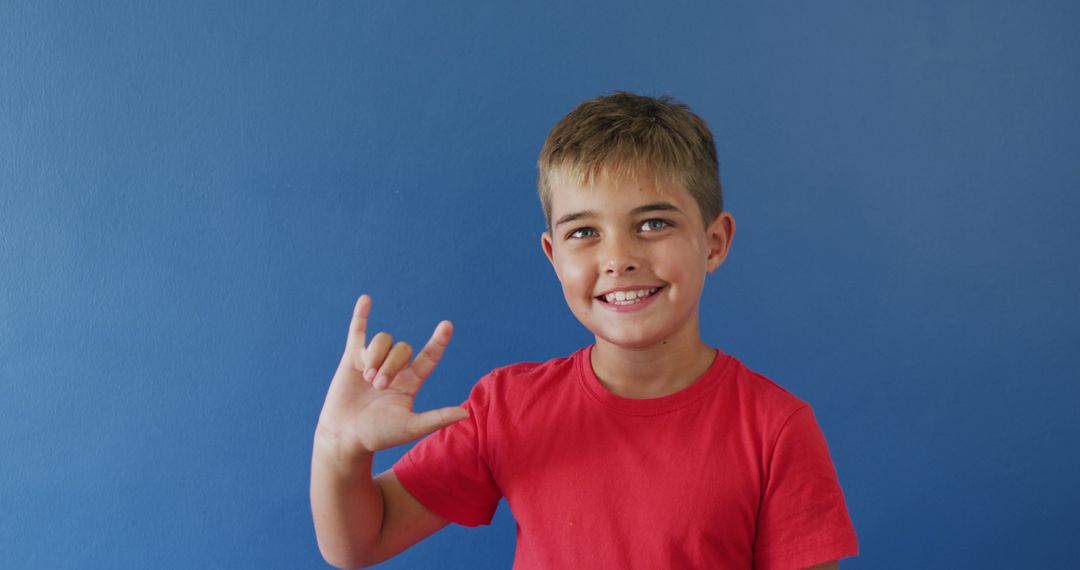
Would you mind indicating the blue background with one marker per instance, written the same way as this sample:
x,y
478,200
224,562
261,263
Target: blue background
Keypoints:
x,y
193,194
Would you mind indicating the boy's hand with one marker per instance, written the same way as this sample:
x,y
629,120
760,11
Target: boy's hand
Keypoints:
x,y
369,406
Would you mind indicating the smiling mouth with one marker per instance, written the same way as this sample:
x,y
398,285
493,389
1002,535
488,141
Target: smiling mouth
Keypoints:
x,y
623,298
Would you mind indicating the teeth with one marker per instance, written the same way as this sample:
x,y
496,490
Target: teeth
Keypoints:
x,y
628,297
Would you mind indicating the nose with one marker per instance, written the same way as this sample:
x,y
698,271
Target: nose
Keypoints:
x,y
619,257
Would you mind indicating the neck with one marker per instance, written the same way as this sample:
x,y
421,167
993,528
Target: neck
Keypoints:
x,y
653,371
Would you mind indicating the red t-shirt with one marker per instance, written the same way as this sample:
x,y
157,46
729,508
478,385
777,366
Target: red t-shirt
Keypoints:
x,y
730,472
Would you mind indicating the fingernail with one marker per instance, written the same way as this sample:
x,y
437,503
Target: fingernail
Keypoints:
x,y
369,374
381,381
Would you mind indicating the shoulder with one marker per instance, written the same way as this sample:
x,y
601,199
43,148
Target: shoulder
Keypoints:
x,y
524,374
759,396
525,380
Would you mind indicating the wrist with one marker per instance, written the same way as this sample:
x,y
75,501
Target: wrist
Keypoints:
x,y
342,455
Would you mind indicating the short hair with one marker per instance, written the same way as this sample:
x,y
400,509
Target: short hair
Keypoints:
x,y
620,133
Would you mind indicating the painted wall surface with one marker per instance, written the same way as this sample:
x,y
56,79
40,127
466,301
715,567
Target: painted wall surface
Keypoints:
x,y
192,195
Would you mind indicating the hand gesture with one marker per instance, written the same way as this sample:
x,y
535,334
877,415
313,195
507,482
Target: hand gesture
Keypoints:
x,y
369,406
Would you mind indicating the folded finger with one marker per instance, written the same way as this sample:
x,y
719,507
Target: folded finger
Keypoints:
x,y
372,357
397,359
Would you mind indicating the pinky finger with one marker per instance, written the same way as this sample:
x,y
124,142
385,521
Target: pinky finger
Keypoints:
x,y
358,325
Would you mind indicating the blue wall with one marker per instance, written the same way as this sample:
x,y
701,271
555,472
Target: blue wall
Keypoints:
x,y
192,196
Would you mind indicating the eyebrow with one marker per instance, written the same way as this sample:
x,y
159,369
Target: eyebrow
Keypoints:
x,y
654,207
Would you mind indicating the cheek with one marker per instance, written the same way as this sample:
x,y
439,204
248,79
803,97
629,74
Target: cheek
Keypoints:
x,y
577,293
576,281
687,258
571,274
685,265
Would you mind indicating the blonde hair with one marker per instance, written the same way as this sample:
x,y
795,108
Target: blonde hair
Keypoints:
x,y
622,133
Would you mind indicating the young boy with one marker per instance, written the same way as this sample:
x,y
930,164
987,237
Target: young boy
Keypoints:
x,y
648,449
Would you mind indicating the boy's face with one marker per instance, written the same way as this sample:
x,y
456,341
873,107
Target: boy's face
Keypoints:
x,y
632,257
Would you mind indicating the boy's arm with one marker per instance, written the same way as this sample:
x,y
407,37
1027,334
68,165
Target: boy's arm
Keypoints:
x,y
360,520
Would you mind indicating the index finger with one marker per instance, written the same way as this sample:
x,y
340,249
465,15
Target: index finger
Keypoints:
x,y
358,326
427,359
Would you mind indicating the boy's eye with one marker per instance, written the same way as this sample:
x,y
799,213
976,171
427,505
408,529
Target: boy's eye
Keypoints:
x,y
582,233
654,224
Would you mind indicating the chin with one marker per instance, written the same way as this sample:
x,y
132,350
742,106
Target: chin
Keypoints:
x,y
629,341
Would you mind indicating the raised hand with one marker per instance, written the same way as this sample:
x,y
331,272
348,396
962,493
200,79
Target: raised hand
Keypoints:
x,y
369,406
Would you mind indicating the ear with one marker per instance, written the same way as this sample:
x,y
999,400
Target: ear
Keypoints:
x,y
549,249
718,237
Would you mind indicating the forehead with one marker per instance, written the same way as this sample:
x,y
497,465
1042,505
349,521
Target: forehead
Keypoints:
x,y
612,192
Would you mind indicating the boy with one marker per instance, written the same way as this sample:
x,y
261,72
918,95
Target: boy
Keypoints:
x,y
648,449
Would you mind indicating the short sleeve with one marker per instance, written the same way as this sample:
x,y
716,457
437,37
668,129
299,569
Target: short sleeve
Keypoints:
x,y
803,520
447,471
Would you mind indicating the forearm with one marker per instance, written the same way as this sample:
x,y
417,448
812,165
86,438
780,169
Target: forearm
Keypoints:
x,y
346,504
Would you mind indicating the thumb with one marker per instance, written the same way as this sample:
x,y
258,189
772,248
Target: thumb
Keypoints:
x,y
427,422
